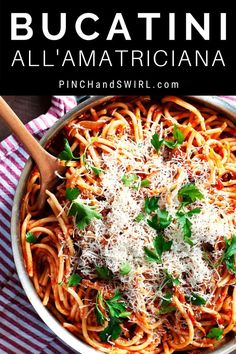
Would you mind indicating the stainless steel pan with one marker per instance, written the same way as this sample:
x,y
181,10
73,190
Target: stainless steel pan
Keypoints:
x,y
215,102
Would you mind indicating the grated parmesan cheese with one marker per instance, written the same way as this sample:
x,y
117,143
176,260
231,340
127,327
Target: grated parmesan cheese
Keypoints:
x,y
118,238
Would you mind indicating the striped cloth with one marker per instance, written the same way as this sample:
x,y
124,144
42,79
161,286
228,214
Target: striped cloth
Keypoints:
x,y
21,329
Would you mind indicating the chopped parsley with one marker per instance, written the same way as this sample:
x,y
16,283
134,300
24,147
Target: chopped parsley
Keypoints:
x,y
230,251
141,183
83,214
103,273
125,269
151,256
185,223
161,246
96,170
166,309
215,333
170,280
115,308
189,194
178,135
156,142
196,299
160,221
145,183
132,180
112,331
139,217
151,204
67,154
72,193
171,144
99,314
30,237
129,180
166,306
117,312
74,280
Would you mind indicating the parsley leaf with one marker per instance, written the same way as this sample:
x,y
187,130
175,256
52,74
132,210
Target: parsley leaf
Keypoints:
x,y
139,217
170,280
230,251
145,183
171,144
230,264
74,280
116,297
189,194
193,212
103,272
96,170
178,135
166,309
72,193
156,142
115,308
124,314
230,247
164,218
215,333
112,331
166,305
185,223
160,221
128,180
151,256
167,299
161,246
99,315
88,167
83,214
116,311
30,237
125,269
196,299
67,154
141,183
151,204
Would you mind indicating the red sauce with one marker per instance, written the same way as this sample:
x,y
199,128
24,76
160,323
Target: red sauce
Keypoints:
x,y
220,321
219,185
192,318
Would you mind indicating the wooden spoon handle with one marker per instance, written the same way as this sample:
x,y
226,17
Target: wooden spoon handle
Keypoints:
x,y
34,148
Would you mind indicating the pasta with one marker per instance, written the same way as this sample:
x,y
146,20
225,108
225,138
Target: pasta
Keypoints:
x,y
135,250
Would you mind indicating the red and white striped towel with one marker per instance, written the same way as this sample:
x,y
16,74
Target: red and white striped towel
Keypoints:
x,y
21,329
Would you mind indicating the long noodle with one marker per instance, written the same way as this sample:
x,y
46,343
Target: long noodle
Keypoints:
x,y
56,252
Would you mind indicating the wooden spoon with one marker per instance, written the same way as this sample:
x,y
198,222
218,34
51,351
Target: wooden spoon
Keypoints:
x,y
47,164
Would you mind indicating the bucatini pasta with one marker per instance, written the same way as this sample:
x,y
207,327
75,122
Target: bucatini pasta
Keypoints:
x,y
135,250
